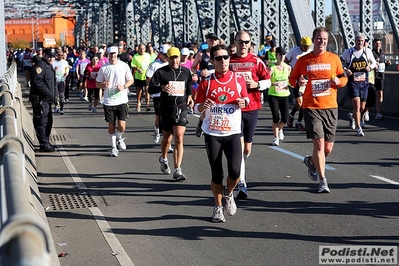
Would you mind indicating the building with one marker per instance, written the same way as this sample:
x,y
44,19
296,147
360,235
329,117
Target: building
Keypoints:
x,y
41,32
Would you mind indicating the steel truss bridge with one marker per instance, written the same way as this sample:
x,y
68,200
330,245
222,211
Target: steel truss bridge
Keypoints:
x,y
157,21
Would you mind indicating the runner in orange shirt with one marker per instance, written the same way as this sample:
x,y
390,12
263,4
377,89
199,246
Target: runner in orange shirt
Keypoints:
x,y
322,73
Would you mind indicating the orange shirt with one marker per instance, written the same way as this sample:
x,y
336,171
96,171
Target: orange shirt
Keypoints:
x,y
320,69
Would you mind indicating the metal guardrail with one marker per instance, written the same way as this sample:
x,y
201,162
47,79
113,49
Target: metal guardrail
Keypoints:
x,y
25,238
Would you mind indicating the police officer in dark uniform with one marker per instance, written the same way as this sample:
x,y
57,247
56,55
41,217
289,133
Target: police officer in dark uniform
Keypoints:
x,y
43,95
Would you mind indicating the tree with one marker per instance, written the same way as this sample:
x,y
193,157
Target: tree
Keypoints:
x,y
329,22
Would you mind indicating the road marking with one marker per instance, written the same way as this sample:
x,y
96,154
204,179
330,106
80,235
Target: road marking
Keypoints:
x,y
385,180
300,157
102,223
110,237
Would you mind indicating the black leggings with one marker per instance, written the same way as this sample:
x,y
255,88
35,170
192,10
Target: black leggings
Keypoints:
x,y
231,145
276,104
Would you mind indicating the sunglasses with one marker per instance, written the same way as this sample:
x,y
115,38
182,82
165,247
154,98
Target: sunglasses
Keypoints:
x,y
219,58
242,42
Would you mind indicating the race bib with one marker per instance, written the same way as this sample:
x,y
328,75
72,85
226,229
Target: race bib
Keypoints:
x,y
281,86
359,76
221,116
220,122
114,92
381,67
246,75
94,75
321,87
177,88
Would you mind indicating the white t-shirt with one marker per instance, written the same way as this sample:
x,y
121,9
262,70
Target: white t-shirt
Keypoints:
x,y
294,54
61,68
116,74
151,70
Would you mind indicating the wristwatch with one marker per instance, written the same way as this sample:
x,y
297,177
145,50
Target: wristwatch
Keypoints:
x,y
258,87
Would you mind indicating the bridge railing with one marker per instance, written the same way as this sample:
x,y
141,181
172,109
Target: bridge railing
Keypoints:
x,y
25,237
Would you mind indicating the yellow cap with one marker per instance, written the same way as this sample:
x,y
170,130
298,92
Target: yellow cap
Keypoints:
x,y
173,51
306,41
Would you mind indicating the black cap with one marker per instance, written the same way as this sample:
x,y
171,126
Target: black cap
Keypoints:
x,y
49,52
212,36
280,50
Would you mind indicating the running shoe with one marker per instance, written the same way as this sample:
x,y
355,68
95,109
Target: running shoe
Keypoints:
x,y
276,142
178,175
157,137
138,107
121,144
170,150
94,110
56,109
379,116
148,108
299,126
281,134
164,165
198,129
230,206
366,116
312,172
90,107
359,132
114,152
218,216
290,121
242,192
352,124
323,186
86,98
61,112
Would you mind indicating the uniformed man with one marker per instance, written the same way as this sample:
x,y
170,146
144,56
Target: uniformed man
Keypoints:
x,y
42,95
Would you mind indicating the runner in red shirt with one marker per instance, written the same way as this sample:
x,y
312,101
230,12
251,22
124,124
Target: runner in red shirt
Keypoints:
x,y
257,79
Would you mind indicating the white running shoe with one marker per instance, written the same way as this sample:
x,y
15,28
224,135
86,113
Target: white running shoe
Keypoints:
x,y
164,165
281,134
114,152
218,216
366,116
157,137
312,172
170,149
121,144
242,192
359,132
178,175
276,142
352,123
323,186
230,206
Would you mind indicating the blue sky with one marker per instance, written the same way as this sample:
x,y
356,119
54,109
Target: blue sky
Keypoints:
x,y
327,5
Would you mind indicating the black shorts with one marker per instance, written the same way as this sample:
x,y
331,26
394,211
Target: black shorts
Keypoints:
x,y
248,125
112,113
27,68
157,105
379,84
371,99
95,91
173,116
140,83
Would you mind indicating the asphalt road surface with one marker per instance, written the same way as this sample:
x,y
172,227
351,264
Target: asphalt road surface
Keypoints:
x,y
124,211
